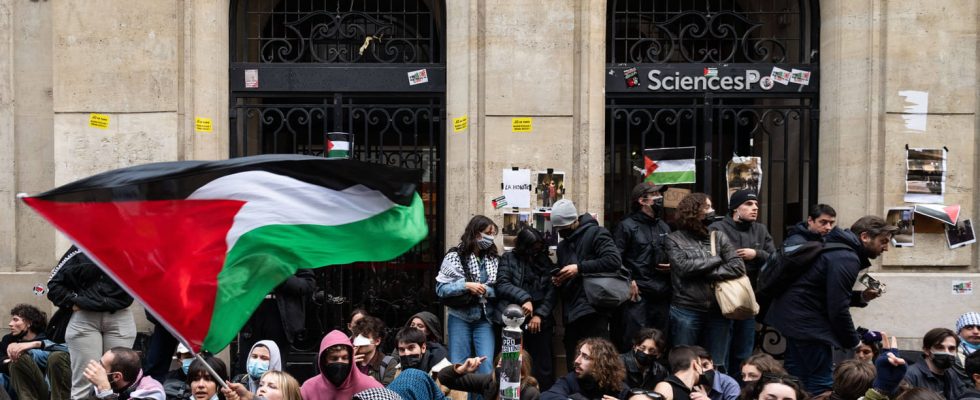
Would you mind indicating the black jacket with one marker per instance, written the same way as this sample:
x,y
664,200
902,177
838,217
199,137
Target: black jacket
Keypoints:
x,y
947,385
570,387
642,377
971,393
591,247
817,306
640,239
291,298
693,269
78,281
798,234
484,384
520,280
748,235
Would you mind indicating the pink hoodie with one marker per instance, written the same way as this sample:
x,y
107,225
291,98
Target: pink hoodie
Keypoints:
x,y
319,388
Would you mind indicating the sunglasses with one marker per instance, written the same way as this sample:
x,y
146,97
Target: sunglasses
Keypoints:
x,y
648,393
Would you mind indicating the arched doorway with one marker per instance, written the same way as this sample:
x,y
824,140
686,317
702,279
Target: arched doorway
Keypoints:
x,y
700,73
375,69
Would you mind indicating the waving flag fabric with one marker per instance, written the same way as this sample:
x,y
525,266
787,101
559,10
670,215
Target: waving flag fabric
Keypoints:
x,y
200,243
670,165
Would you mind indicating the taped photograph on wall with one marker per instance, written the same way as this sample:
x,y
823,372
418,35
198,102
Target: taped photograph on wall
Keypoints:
x,y
542,222
744,173
961,234
925,176
513,223
903,218
550,188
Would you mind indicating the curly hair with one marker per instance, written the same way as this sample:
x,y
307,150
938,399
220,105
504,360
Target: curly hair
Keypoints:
x,y
607,367
36,319
689,214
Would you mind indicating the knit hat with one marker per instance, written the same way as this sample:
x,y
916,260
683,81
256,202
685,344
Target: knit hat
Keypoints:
x,y
970,318
563,213
740,197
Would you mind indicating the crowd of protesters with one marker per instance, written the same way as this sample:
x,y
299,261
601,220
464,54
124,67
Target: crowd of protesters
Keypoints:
x,y
669,340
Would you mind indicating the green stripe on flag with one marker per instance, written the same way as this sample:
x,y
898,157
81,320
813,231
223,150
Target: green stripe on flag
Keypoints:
x,y
666,178
337,153
266,256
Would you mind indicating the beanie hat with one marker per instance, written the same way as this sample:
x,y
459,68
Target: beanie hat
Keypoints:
x,y
970,318
563,213
740,197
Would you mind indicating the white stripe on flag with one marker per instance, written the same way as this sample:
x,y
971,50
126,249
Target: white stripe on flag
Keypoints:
x,y
675,165
273,199
340,146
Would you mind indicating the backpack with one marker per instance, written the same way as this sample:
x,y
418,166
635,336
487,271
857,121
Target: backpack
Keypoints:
x,y
787,264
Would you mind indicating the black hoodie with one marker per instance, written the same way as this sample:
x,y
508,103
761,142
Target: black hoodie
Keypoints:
x,y
591,247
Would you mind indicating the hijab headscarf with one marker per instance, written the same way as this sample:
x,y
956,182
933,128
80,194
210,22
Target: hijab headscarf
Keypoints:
x,y
275,361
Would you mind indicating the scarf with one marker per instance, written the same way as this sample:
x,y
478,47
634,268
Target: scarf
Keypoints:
x,y
451,269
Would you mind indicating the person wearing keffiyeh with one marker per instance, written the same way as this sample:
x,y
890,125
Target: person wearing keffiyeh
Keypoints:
x,y
968,329
469,270
377,394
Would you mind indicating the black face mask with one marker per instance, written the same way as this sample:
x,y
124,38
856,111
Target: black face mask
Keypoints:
x,y
658,207
336,373
942,360
710,218
411,361
565,232
642,358
707,379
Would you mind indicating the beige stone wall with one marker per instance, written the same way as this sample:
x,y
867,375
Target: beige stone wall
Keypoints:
x,y
869,52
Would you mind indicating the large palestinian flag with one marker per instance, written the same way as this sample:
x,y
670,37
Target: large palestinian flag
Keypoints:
x,y
671,165
201,243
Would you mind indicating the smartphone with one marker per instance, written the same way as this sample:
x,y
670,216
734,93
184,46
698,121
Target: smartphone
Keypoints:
x,y
555,271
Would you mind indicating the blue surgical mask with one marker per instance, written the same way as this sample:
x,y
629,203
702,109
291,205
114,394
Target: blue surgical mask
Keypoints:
x,y
185,364
256,368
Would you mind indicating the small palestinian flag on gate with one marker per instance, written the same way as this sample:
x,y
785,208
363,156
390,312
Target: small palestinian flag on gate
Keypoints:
x,y
338,144
670,165
200,243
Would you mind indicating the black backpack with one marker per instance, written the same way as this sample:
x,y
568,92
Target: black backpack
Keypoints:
x,y
786,265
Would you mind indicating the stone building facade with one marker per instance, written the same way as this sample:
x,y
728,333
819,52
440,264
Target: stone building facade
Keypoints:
x,y
155,66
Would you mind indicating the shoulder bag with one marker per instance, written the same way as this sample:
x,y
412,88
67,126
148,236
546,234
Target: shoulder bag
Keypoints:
x,y
735,296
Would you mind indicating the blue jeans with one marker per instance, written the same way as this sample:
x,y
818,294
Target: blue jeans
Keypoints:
x,y
5,386
743,342
812,361
470,339
708,329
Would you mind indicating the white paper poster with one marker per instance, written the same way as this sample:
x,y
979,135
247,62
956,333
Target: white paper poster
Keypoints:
x,y
517,187
925,177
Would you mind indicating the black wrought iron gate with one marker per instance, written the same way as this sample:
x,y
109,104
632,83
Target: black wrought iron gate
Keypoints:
x,y
375,69
730,77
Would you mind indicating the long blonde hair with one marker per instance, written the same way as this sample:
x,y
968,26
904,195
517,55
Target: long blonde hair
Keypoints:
x,y
288,385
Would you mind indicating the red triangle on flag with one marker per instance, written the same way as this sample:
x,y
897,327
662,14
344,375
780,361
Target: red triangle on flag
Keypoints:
x,y
330,145
649,165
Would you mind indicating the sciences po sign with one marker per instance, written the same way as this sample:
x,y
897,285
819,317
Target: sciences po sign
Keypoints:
x,y
719,78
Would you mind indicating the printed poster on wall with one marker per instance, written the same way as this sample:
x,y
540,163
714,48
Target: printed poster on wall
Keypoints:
x,y
744,173
925,177
903,218
517,187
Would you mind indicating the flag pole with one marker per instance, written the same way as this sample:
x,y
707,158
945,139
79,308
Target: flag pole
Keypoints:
x,y
214,374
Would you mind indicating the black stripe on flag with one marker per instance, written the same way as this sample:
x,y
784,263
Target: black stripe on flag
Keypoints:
x,y
671,153
178,179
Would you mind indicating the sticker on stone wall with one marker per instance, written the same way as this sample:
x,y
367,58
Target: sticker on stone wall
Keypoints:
x,y
631,79
202,124
962,288
780,75
100,121
521,125
799,76
916,109
418,77
460,124
39,289
710,72
251,79
961,234
498,202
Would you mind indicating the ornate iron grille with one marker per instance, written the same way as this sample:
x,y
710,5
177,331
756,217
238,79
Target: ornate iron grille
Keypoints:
x,y
780,131
709,31
338,31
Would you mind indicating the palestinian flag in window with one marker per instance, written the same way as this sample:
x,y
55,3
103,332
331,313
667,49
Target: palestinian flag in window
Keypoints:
x,y
338,144
670,165
200,243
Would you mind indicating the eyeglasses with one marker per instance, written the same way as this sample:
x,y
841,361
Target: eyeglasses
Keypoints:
x,y
648,393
